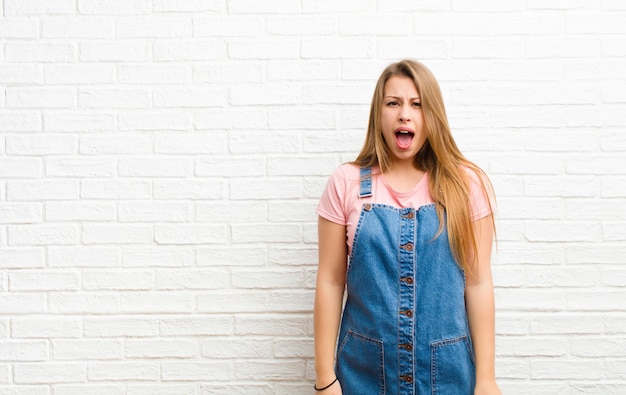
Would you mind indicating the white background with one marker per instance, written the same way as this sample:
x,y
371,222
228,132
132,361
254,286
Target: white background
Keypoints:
x,y
161,161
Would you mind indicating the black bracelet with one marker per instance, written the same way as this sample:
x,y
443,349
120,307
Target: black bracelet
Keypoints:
x,y
327,387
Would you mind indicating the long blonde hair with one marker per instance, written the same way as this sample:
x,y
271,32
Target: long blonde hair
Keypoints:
x,y
439,157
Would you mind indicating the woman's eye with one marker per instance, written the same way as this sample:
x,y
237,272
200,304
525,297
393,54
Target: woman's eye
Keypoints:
x,y
417,104
392,103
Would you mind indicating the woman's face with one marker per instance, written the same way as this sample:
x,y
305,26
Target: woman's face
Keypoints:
x,y
402,120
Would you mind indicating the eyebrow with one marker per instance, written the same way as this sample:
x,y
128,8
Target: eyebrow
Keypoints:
x,y
398,97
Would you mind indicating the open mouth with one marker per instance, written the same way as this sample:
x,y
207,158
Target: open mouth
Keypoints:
x,y
404,138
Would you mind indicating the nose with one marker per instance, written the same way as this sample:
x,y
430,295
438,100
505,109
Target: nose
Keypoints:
x,y
405,113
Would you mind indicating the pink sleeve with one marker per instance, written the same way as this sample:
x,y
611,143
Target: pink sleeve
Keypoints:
x,y
332,202
482,199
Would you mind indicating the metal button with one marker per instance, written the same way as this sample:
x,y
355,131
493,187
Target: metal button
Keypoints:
x,y
407,246
406,378
410,215
408,280
407,346
408,313
367,207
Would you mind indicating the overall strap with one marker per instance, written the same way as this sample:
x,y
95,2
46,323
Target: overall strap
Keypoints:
x,y
366,182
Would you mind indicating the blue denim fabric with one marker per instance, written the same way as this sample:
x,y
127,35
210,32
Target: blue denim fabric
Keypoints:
x,y
404,327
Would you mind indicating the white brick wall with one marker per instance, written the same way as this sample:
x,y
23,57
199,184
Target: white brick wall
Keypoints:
x,y
160,163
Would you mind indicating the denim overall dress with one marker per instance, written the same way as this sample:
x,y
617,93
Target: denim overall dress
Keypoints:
x,y
404,327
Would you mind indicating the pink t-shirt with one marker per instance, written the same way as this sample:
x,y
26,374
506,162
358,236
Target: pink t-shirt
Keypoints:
x,y
340,202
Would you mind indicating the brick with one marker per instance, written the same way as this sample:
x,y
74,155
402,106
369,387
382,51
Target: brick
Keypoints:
x,y
76,27
39,280
86,349
329,6
21,258
38,7
155,120
105,98
20,121
114,51
189,50
379,25
80,167
157,73
196,325
78,122
590,347
295,71
20,167
114,371
191,279
82,303
197,371
22,303
267,279
80,389
258,233
265,94
115,189
19,27
262,142
46,326
115,144
190,234
300,348
20,213
194,189
39,51
42,235
277,6
395,48
160,389
187,5
296,255
301,25
579,47
567,369
79,74
49,372
24,351
152,27
112,327
231,256
227,348
562,186
230,119
160,348
21,73
192,97
155,167
227,212
269,369
40,98
156,302
228,25
153,212
116,233
92,256
40,145
160,256
115,7
272,188
217,166
117,280
346,48
501,48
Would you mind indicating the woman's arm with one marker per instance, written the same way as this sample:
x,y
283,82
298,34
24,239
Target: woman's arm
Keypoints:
x,y
331,280
480,307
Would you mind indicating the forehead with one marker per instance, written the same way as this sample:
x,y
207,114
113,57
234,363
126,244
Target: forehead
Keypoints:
x,y
400,85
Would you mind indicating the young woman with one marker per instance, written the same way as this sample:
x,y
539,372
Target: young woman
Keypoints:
x,y
406,231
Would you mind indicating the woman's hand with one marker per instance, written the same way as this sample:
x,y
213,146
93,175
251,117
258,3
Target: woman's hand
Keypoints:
x,y
334,389
487,387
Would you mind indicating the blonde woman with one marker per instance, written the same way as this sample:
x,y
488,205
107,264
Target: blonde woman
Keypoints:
x,y
406,231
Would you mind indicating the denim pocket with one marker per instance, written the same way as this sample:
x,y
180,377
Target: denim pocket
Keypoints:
x,y
452,367
360,364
